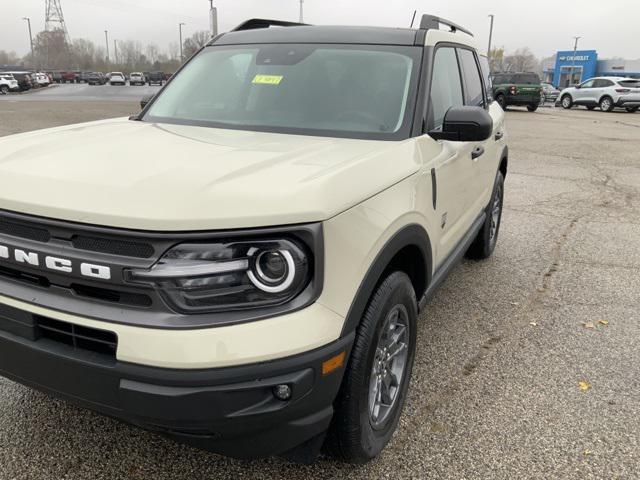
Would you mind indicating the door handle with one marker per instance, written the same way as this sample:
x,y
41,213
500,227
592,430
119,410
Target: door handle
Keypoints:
x,y
499,136
477,153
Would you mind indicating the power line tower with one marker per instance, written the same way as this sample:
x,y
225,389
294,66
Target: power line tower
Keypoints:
x,y
54,19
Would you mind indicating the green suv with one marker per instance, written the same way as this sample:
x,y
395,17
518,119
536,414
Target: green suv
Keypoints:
x,y
521,89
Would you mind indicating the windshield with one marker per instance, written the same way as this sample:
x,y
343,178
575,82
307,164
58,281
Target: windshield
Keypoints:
x,y
336,90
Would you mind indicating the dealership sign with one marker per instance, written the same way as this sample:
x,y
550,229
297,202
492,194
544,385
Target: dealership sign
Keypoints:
x,y
577,58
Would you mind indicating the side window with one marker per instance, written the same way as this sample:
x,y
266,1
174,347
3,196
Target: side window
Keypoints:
x,y
446,86
472,82
588,84
604,83
486,74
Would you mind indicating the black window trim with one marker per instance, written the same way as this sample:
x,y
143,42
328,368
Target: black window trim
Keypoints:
x,y
485,103
431,51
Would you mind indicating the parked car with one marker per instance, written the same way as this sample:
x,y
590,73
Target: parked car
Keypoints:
x,y
57,77
8,83
549,93
136,78
607,93
69,77
40,79
24,80
155,77
81,77
117,78
96,78
519,89
255,288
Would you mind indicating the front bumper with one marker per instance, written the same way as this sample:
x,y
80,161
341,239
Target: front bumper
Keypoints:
x,y
230,410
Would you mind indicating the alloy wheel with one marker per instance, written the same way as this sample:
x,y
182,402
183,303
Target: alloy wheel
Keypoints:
x,y
389,365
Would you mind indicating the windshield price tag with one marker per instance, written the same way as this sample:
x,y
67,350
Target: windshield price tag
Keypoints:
x,y
267,79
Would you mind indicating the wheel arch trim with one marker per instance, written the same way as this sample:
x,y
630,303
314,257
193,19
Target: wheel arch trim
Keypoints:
x,y
412,235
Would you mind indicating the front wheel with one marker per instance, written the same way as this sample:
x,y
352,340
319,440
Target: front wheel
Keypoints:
x,y
4,89
374,389
485,243
502,101
533,107
606,104
632,109
567,102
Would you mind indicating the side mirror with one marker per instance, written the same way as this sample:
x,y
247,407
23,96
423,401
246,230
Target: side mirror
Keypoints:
x,y
465,124
578,86
145,101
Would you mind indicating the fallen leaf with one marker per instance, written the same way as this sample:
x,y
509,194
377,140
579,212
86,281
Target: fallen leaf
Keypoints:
x,y
589,325
588,452
533,324
604,322
515,304
584,386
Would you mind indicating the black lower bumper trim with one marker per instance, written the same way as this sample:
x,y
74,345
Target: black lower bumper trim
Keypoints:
x,y
230,410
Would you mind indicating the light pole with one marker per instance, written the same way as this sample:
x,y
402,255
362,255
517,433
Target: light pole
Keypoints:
x,y
30,36
490,35
573,62
106,39
115,51
180,30
301,11
213,19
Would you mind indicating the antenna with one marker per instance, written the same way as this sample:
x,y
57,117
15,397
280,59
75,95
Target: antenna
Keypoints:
x,y
54,19
414,18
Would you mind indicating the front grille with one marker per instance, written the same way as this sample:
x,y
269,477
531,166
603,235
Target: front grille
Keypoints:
x,y
23,230
114,247
25,277
76,336
113,296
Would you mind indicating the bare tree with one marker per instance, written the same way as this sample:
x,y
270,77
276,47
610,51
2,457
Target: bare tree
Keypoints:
x,y
522,60
193,43
152,52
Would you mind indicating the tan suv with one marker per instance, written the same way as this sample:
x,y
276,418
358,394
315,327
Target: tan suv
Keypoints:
x,y
242,265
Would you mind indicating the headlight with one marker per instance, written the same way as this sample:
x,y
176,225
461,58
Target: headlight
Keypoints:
x,y
210,277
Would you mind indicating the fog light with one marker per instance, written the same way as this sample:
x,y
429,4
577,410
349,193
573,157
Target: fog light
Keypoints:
x,y
282,392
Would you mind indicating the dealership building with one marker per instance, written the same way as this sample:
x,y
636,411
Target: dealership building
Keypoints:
x,y
585,65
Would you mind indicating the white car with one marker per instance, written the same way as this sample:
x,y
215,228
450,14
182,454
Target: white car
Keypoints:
x,y
117,78
41,79
604,92
8,83
137,78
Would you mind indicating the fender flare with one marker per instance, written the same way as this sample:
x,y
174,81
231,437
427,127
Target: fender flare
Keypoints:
x,y
412,235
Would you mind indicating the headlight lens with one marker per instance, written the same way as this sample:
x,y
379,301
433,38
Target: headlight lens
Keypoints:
x,y
198,277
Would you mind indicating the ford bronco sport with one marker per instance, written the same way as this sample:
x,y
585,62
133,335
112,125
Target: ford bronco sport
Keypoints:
x,y
253,286
519,89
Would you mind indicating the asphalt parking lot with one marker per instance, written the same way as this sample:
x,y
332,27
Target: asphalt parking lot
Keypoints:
x,y
527,364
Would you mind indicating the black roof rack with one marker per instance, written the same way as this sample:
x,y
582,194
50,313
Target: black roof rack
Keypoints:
x,y
256,23
431,22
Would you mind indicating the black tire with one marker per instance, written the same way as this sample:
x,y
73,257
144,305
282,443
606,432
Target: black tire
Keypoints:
x,y
606,104
4,89
591,108
502,101
632,109
352,436
533,107
567,102
485,243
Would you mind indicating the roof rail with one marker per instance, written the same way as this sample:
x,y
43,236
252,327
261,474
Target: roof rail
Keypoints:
x,y
431,22
256,23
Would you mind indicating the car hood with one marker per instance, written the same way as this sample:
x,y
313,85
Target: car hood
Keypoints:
x,y
164,177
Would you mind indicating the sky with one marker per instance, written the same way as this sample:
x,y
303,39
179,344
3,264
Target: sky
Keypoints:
x,y
545,26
